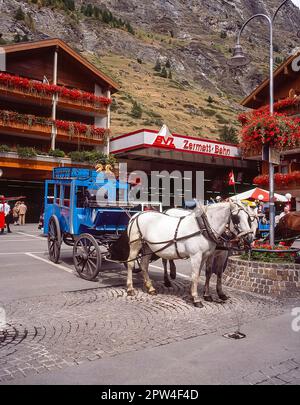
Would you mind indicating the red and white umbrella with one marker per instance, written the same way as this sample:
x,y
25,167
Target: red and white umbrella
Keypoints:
x,y
259,194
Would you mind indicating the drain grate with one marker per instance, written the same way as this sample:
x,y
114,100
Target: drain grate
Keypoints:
x,y
235,335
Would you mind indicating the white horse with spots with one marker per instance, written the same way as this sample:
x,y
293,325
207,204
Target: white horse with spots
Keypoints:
x,y
174,238
217,262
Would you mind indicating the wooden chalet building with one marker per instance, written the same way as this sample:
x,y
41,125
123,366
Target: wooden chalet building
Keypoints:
x,y
286,100
50,98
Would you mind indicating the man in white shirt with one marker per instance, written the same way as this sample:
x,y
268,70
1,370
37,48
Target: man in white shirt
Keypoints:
x,y
6,214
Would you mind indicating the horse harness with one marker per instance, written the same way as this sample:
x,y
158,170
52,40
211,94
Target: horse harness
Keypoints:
x,y
204,229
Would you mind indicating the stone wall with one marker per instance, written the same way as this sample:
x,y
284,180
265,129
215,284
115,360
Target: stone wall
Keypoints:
x,y
281,280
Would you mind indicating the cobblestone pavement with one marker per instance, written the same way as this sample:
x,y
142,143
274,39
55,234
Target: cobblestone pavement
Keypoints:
x,y
283,373
66,329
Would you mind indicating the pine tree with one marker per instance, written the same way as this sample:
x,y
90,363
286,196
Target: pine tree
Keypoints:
x,y
19,14
170,75
157,66
228,134
136,111
164,72
210,100
168,64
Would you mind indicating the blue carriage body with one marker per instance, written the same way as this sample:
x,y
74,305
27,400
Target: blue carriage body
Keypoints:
x,y
71,197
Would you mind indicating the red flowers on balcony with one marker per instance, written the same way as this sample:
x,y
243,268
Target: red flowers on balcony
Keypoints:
x,y
278,130
89,131
280,179
36,87
72,128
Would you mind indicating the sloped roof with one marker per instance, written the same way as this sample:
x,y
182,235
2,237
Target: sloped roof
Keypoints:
x,y
53,42
281,69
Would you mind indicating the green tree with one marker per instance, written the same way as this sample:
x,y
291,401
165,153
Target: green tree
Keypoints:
x,y
210,100
170,75
136,111
157,66
228,134
19,15
168,64
164,72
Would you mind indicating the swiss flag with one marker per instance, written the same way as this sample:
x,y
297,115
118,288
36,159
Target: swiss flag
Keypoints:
x,y
231,181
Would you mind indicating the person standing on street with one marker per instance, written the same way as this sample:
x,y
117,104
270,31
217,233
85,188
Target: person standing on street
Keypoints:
x,y
7,214
22,212
16,213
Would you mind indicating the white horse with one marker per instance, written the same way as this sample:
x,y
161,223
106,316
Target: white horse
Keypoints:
x,y
174,238
217,261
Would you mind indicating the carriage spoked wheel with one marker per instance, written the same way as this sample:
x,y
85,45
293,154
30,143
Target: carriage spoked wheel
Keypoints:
x,y
87,256
54,239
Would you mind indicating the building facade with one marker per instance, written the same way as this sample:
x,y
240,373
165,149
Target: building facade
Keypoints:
x,y
50,98
146,150
287,101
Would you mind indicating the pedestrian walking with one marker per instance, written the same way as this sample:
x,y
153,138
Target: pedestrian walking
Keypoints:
x,y
15,211
22,213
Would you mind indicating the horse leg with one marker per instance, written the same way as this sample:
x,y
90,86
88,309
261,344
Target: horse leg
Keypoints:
x,y
167,282
172,269
144,266
134,250
197,262
220,270
208,273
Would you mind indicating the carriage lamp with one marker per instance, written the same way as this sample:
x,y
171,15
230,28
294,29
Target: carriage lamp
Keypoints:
x,y
1,172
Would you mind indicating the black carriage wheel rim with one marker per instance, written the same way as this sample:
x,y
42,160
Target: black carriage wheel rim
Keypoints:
x,y
86,258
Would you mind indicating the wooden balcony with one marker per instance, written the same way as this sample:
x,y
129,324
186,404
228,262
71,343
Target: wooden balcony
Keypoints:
x,y
43,131
63,103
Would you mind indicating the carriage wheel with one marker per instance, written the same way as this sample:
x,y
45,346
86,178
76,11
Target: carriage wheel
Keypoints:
x,y
87,256
54,239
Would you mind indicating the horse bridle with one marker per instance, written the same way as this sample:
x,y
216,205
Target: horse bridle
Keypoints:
x,y
235,220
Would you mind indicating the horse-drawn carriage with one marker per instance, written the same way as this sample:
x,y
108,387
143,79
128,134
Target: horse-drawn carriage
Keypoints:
x,y
86,210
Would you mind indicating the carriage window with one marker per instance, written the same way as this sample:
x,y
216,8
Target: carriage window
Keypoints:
x,y
81,196
50,194
66,200
57,187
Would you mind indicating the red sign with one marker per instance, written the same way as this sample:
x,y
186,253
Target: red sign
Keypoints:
x,y
166,142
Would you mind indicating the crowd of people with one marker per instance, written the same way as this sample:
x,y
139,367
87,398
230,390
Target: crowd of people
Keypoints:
x,y
15,215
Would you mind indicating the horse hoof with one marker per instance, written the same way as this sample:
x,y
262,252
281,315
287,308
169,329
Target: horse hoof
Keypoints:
x,y
152,292
130,293
198,304
223,297
167,284
208,298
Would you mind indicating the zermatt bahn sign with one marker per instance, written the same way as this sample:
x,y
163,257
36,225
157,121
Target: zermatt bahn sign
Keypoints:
x,y
146,138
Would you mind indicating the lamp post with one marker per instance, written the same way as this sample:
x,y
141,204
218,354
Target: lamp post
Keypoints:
x,y
240,59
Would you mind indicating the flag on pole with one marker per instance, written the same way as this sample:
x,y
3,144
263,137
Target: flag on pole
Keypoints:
x,y
231,181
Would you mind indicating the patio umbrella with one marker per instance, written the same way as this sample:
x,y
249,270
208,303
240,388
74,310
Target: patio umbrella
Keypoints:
x,y
257,192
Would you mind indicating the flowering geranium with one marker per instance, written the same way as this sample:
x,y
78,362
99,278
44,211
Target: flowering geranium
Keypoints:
x,y
280,179
37,87
278,130
78,128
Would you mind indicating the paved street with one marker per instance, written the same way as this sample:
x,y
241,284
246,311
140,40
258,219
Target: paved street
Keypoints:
x,y
62,329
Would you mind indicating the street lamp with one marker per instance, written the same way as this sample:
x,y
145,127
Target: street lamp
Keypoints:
x,y
240,59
